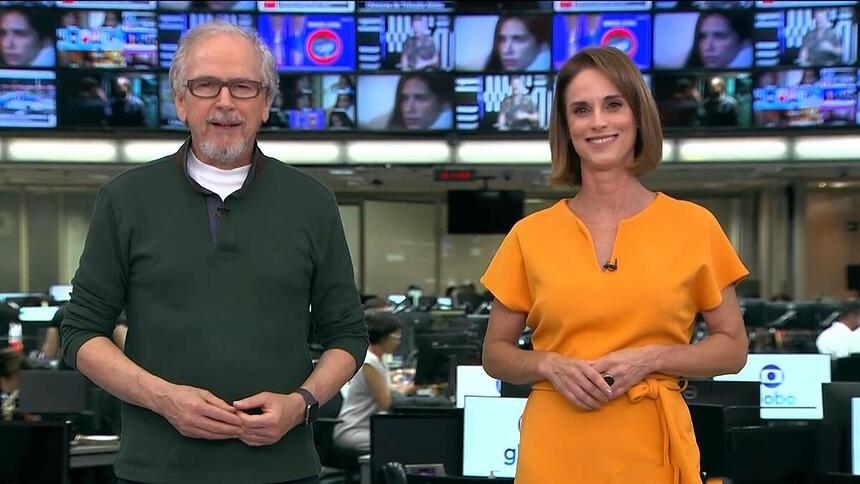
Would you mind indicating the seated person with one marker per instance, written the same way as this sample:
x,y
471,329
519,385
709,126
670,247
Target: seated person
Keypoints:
x,y
370,391
11,362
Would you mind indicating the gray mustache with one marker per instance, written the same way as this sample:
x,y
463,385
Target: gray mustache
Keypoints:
x,y
224,119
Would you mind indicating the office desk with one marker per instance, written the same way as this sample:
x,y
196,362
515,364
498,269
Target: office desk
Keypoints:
x,y
92,455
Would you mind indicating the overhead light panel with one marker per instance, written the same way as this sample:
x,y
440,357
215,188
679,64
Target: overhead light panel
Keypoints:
x,y
490,152
398,152
63,150
141,151
303,152
827,148
733,149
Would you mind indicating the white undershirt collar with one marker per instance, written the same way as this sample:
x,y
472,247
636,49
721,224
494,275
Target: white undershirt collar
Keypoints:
x,y
216,180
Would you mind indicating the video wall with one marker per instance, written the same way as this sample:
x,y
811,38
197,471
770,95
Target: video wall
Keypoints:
x,y
434,66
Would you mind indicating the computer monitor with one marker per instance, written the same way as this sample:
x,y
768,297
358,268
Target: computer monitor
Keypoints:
x,y
38,452
52,392
836,428
847,369
855,436
438,351
60,292
491,435
36,314
472,380
722,392
790,384
420,438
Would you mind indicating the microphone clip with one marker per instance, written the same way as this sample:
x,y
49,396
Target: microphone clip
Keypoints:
x,y
610,266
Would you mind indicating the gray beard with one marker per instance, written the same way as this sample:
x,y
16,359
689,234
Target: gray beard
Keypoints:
x,y
224,155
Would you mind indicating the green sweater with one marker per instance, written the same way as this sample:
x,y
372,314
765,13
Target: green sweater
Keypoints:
x,y
231,317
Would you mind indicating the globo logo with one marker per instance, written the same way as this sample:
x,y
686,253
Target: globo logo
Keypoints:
x,y
771,376
324,46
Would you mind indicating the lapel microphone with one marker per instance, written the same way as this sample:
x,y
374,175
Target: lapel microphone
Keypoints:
x,y
611,266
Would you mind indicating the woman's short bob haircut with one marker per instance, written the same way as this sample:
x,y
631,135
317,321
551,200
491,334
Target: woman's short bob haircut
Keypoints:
x,y
614,64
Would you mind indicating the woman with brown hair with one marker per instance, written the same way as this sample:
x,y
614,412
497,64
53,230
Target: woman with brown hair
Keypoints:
x,y
611,281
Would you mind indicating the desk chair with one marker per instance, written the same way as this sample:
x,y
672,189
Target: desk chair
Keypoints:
x,y
394,473
331,455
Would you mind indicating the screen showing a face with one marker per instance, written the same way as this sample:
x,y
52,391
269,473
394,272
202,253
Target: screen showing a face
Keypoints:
x,y
109,100
313,102
411,102
416,42
790,384
310,42
501,102
710,40
28,99
806,37
27,37
806,97
714,100
107,39
511,43
491,435
627,32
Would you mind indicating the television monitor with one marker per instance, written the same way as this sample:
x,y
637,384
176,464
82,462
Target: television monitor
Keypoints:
x,y
433,438
472,380
416,101
37,314
315,6
802,3
313,102
600,5
107,39
406,42
806,97
692,40
484,211
703,4
312,42
39,452
503,102
167,109
406,6
60,292
117,4
627,32
214,6
172,26
108,99
491,435
790,384
28,99
722,99
809,37
485,43
28,37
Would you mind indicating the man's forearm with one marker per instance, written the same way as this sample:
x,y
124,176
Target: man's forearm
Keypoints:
x,y
108,367
331,373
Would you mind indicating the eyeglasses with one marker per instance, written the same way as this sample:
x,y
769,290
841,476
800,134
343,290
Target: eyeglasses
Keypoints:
x,y
210,87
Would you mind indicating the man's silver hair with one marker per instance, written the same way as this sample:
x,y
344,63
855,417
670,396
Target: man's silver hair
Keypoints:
x,y
215,27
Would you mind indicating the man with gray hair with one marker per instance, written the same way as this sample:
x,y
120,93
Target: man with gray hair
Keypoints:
x,y
217,253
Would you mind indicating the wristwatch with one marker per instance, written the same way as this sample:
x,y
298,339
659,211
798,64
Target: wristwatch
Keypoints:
x,y
311,406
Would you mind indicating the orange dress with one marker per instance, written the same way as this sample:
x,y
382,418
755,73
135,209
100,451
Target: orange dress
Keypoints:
x,y
673,260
